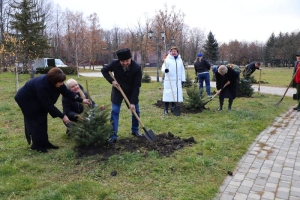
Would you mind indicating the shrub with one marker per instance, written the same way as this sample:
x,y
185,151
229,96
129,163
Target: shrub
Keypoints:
x,y
146,78
194,100
245,88
93,127
188,82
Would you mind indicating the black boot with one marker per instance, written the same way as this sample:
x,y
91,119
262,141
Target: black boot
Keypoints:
x,y
221,101
166,108
173,106
230,103
51,146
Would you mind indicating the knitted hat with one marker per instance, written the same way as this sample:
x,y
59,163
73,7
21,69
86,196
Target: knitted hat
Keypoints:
x,y
298,53
124,54
199,54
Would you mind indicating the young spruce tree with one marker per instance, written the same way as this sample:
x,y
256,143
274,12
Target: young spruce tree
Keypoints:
x,y
93,127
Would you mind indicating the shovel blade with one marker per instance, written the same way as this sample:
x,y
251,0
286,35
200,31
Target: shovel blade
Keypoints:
x,y
150,136
176,110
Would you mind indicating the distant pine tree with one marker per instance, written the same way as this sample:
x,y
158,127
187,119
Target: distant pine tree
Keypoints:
x,y
28,27
211,48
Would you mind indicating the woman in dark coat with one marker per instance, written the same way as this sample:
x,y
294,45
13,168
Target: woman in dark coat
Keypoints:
x,y
73,109
226,79
36,99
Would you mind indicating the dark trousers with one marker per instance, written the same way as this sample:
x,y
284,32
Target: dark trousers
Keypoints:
x,y
298,94
36,127
221,101
167,105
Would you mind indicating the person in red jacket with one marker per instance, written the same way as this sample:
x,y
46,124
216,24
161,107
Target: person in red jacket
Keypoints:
x,y
297,79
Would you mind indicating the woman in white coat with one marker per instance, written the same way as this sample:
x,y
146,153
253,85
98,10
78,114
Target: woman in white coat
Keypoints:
x,y
174,77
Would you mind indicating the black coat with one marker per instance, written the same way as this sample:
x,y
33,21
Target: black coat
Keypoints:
x,y
36,99
202,66
130,81
38,95
71,108
250,69
230,91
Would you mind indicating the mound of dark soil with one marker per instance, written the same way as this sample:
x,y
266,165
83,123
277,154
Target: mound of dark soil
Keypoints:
x,y
165,145
161,104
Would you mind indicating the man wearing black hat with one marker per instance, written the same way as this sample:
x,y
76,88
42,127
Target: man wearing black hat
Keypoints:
x,y
128,75
297,79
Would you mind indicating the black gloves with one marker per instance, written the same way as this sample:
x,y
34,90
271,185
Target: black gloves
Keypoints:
x,y
166,70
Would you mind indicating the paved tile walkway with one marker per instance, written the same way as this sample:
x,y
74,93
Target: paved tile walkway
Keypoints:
x,y
270,170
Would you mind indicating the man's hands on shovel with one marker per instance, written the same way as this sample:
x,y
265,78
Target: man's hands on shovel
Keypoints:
x,y
117,85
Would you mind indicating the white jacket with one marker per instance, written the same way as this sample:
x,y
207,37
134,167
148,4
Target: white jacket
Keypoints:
x,y
175,76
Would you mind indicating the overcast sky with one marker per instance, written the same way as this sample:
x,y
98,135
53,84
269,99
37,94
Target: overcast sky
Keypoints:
x,y
244,20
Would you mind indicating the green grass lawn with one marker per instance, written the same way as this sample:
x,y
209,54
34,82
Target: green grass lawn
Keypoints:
x,y
279,77
195,172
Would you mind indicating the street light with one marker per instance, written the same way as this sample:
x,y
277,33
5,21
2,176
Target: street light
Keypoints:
x,y
150,35
168,46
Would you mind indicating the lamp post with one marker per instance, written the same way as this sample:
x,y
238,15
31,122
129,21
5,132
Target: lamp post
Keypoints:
x,y
168,46
150,34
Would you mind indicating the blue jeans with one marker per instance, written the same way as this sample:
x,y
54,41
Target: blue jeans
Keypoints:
x,y
204,77
114,119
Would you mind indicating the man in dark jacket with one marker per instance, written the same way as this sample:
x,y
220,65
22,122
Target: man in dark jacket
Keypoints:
x,y
128,75
250,69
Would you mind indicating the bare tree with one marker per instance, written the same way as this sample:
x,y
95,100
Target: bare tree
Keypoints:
x,y
196,42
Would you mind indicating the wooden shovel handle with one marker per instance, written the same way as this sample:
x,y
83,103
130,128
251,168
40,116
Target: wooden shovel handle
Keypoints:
x,y
88,93
127,101
221,89
171,86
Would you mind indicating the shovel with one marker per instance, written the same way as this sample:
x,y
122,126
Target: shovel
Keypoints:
x,y
291,83
259,80
215,94
150,136
176,109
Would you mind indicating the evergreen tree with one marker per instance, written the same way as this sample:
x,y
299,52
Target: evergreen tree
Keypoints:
x,y
28,26
211,48
269,50
245,88
188,82
194,100
93,127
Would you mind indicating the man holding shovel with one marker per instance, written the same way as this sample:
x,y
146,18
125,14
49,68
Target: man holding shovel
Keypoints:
x,y
297,79
226,83
128,75
250,69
